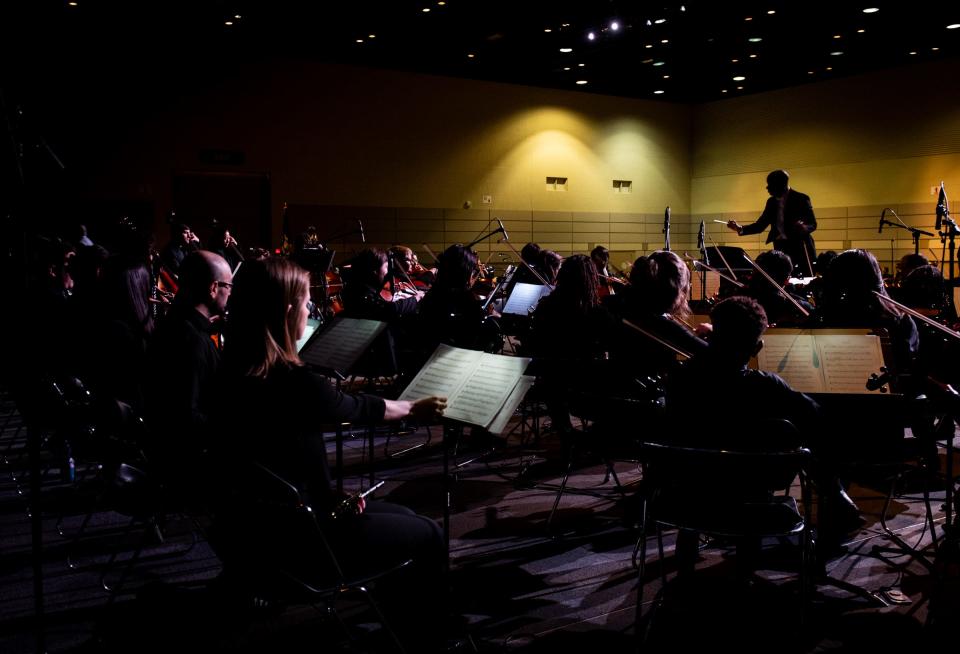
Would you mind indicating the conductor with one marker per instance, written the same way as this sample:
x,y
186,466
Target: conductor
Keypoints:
x,y
789,214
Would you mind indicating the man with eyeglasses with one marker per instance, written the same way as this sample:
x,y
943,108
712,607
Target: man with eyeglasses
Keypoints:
x,y
182,364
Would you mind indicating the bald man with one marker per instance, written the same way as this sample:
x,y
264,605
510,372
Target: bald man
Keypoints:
x,y
789,215
182,364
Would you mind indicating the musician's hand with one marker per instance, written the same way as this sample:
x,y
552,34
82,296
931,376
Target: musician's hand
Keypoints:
x,y
429,409
734,225
419,295
704,329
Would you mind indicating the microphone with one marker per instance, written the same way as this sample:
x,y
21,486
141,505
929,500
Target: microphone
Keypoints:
x,y
503,231
700,237
363,237
666,219
882,221
942,211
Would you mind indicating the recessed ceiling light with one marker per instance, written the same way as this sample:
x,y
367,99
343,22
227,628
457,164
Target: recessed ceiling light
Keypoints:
x,y
739,88
566,67
739,78
564,24
748,18
753,56
913,52
237,16
861,31
471,56
836,53
72,4
359,40
228,23
614,26
755,39
441,3
665,41
566,49
734,61
809,72
580,65
934,49
771,12
547,30
658,63
658,92
838,36
723,90
591,36
666,77
660,21
828,68
647,61
581,82
648,46
953,26
371,36
871,10
426,10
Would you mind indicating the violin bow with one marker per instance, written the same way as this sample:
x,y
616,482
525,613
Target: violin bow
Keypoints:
x,y
657,339
712,269
722,258
918,315
783,291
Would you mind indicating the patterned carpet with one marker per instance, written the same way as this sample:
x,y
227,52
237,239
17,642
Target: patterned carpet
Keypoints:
x,y
516,586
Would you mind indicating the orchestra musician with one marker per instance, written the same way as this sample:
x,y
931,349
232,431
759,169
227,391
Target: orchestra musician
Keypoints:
x,y
656,301
182,242
450,312
600,256
779,310
183,359
364,296
568,330
272,410
410,270
223,243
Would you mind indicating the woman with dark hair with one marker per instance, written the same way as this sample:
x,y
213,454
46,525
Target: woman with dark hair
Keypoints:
x,y
450,312
657,302
550,263
272,409
114,355
849,300
569,329
363,297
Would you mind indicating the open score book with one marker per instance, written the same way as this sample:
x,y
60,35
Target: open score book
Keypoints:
x,y
481,389
822,361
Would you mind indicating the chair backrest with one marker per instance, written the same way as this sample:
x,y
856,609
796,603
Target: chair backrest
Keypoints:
x,y
264,531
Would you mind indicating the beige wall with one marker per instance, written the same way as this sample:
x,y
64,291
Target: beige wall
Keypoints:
x,y
405,152
854,145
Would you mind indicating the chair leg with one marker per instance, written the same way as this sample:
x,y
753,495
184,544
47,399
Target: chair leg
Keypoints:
x,y
563,485
383,621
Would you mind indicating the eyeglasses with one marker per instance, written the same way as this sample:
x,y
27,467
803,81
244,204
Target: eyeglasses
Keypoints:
x,y
225,284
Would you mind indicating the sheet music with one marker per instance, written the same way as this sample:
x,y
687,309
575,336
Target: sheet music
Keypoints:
x,y
339,347
849,361
795,358
516,396
475,384
524,298
817,362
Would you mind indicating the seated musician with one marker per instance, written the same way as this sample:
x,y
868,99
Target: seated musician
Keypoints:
x,y
850,287
450,312
182,242
550,263
568,330
780,311
223,243
271,410
717,379
410,270
531,254
183,359
656,301
364,296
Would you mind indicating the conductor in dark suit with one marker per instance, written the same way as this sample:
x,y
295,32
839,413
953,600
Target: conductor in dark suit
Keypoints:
x,y
789,215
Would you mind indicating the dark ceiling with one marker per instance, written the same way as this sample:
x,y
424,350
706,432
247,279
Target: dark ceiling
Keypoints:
x,y
687,52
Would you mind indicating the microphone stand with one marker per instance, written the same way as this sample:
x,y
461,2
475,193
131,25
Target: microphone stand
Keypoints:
x,y
914,232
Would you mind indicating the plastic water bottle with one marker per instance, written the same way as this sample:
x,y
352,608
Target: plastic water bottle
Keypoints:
x,y
70,471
